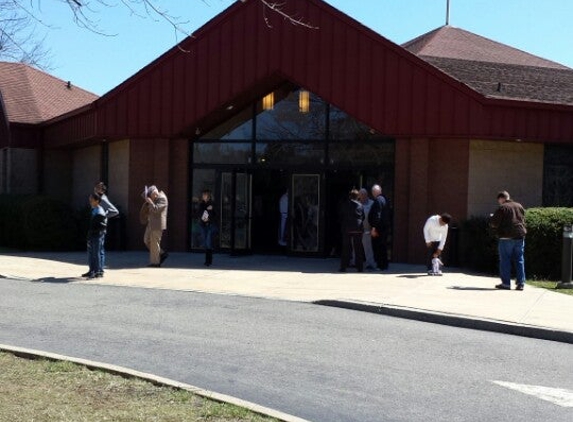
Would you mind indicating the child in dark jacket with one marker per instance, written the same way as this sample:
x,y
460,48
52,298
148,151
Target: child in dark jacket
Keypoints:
x,y
95,237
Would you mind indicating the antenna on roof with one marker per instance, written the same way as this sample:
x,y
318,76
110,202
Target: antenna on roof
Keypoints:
x,y
448,13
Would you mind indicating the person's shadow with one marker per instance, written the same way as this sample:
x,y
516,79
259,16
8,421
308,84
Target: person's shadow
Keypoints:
x,y
57,280
472,288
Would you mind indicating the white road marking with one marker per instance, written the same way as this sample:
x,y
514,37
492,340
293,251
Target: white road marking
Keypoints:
x,y
558,396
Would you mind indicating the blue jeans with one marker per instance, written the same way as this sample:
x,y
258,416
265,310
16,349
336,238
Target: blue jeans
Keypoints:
x,y
95,245
207,231
511,252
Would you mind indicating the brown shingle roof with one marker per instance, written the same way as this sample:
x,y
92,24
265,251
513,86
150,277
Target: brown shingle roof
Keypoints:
x,y
494,69
454,43
32,96
509,81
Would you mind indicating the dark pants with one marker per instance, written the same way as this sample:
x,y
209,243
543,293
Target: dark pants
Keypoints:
x,y
207,231
430,255
380,249
352,241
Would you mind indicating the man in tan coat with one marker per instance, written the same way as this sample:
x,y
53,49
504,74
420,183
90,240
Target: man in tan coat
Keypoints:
x,y
153,213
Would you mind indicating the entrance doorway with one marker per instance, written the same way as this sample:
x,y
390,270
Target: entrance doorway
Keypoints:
x,y
250,218
268,187
236,215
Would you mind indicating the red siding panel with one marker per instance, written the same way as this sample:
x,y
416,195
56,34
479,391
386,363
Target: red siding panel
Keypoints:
x,y
391,95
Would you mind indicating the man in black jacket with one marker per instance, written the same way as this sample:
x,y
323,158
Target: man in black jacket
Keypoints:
x,y
351,223
379,220
509,225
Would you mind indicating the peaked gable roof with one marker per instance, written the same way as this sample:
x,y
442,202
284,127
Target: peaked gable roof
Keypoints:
x,y
32,96
246,51
455,43
494,69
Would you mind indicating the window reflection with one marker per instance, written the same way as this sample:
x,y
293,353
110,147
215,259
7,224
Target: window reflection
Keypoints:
x,y
361,154
286,122
269,153
221,152
238,127
344,127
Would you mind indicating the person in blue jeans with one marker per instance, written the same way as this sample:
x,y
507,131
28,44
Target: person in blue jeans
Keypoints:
x,y
110,212
95,237
508,223
207,224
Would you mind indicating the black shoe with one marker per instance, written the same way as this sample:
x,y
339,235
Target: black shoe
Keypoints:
x,y
154,265
502,286
342,270
99,275
90,276
519,287
163,257
86,274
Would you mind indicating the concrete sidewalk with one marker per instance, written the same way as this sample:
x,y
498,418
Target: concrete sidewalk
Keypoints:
x,y
456,298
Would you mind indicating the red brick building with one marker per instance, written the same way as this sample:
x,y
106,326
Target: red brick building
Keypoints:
x,y
251,109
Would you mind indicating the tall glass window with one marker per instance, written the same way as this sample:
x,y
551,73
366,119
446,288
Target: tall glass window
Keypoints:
x,y
287,120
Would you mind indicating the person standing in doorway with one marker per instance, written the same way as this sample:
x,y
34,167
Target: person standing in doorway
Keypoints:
x,y
508,223
435,235
352,226
110,212
283,210
207,224
154,214
379,220
369,262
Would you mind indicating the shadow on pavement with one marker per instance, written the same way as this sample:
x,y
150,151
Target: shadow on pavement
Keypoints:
x,y
56,280
486,289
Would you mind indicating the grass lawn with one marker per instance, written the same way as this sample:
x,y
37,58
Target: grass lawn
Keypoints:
x,y
42,390
550,285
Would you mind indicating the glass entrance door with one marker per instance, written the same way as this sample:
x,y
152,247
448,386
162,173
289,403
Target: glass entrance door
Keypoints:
x,y
305,212
236,192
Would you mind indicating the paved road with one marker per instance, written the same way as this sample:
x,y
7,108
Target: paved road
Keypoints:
x,y
319,363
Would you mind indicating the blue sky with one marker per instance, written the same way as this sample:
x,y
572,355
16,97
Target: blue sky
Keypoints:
x,y
99,63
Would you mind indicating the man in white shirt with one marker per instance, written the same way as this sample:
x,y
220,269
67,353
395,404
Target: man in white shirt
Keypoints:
x,y
435,235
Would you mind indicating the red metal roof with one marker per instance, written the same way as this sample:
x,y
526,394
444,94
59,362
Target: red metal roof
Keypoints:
x,y
246,51
32,96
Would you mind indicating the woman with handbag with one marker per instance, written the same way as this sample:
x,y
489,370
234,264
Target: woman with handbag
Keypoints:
x,y
207,224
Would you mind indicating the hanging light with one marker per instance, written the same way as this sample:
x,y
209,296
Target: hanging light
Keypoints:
x,y
304,101
269,101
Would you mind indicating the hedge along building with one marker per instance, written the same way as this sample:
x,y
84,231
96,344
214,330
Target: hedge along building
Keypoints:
x,y
252,106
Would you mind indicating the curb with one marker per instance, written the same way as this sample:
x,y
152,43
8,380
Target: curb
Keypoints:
x,y
454,320
160,381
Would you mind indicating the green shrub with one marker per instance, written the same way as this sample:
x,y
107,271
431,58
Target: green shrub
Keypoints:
x,y
11,220
36,223
543,244
48,224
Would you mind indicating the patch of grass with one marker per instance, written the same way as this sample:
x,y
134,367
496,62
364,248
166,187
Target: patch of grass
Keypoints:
x,y
42,390
550,285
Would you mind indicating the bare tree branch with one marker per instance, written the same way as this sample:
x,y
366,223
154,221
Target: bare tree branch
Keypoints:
x,y
278,8
19,19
